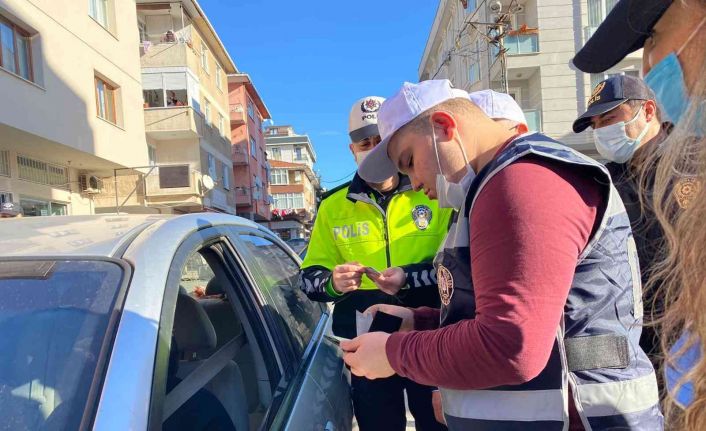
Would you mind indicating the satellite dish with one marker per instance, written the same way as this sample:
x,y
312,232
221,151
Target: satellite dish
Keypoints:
x,y
496,7
207,182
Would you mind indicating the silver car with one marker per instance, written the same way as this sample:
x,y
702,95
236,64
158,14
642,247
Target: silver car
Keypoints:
x,y
152,322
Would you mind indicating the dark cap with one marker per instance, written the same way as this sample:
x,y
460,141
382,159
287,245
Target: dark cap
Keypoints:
x,y
610,94
10,208
624,30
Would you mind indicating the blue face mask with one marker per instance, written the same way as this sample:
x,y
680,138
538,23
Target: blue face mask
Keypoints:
x,y
666,79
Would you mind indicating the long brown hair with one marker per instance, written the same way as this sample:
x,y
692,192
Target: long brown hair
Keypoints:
x,y
679,201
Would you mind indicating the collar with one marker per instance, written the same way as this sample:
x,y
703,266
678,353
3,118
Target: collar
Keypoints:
x,y
359,188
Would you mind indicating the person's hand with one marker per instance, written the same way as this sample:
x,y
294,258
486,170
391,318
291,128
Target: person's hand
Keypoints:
x,y
346,278
367,357
390,280
438,407
406,314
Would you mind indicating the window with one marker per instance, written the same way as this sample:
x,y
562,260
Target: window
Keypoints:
x,y
226,177
298,153
253,148
275,153
35,207
288,201
5,197
40,172
251,110
207,111
142,27
474,73
212,166
298,177
279,177
210,316
597,11
219,72
471,5
98,10
152,155
221,127
5,163
105,100
204,56
277,277
169,89
15,50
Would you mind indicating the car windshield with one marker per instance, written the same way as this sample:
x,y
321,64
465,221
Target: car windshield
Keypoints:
x,y
54,319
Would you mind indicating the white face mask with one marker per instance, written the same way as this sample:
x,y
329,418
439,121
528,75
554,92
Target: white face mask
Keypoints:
x,y
360,156
452,195
613,143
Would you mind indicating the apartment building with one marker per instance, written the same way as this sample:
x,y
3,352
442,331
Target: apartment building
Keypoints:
x,y
294,185
251,169
184,68
542,38
69,80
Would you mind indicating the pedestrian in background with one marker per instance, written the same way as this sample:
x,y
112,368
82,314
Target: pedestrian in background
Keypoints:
x,y
540,319
385,225
672,35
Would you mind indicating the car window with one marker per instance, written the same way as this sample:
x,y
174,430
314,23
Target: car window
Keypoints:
x,y
206,322
56,316
277,277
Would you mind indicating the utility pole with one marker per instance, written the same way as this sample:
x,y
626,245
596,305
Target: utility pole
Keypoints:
x,y
503,58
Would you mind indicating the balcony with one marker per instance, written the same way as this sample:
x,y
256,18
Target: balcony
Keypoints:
x,y
243,197
170,54
171,122
172,181
237,115
240,157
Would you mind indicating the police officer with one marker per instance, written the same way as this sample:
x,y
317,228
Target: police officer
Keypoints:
x,y
393,229
626,123
541,311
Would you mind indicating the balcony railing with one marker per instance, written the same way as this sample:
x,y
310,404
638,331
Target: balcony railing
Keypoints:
x,y
237,114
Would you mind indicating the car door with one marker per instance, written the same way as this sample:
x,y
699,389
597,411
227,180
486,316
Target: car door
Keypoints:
x,y
318,394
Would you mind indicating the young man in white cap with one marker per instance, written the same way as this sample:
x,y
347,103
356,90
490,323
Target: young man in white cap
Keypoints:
x,y
386,226
501,108
538,277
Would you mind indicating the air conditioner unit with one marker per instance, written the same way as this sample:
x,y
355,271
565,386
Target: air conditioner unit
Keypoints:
x,y
90,184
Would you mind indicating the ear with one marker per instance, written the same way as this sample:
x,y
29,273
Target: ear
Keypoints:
x,y
350,146
650,110
444,124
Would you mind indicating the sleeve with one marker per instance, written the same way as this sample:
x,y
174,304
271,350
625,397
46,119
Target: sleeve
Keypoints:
x,y
321,257
530,224
420,275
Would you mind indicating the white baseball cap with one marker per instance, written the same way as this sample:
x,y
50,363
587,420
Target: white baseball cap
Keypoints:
x,y
404,106
363,119
498,106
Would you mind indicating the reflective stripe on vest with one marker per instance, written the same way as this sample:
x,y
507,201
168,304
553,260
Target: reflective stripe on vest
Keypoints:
x,y
605,299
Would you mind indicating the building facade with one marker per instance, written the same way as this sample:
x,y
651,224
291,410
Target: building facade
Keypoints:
x,y
541,39
70,81
251,169
294,185
184,102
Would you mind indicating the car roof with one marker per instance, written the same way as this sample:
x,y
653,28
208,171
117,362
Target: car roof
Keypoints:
x,y
96,235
